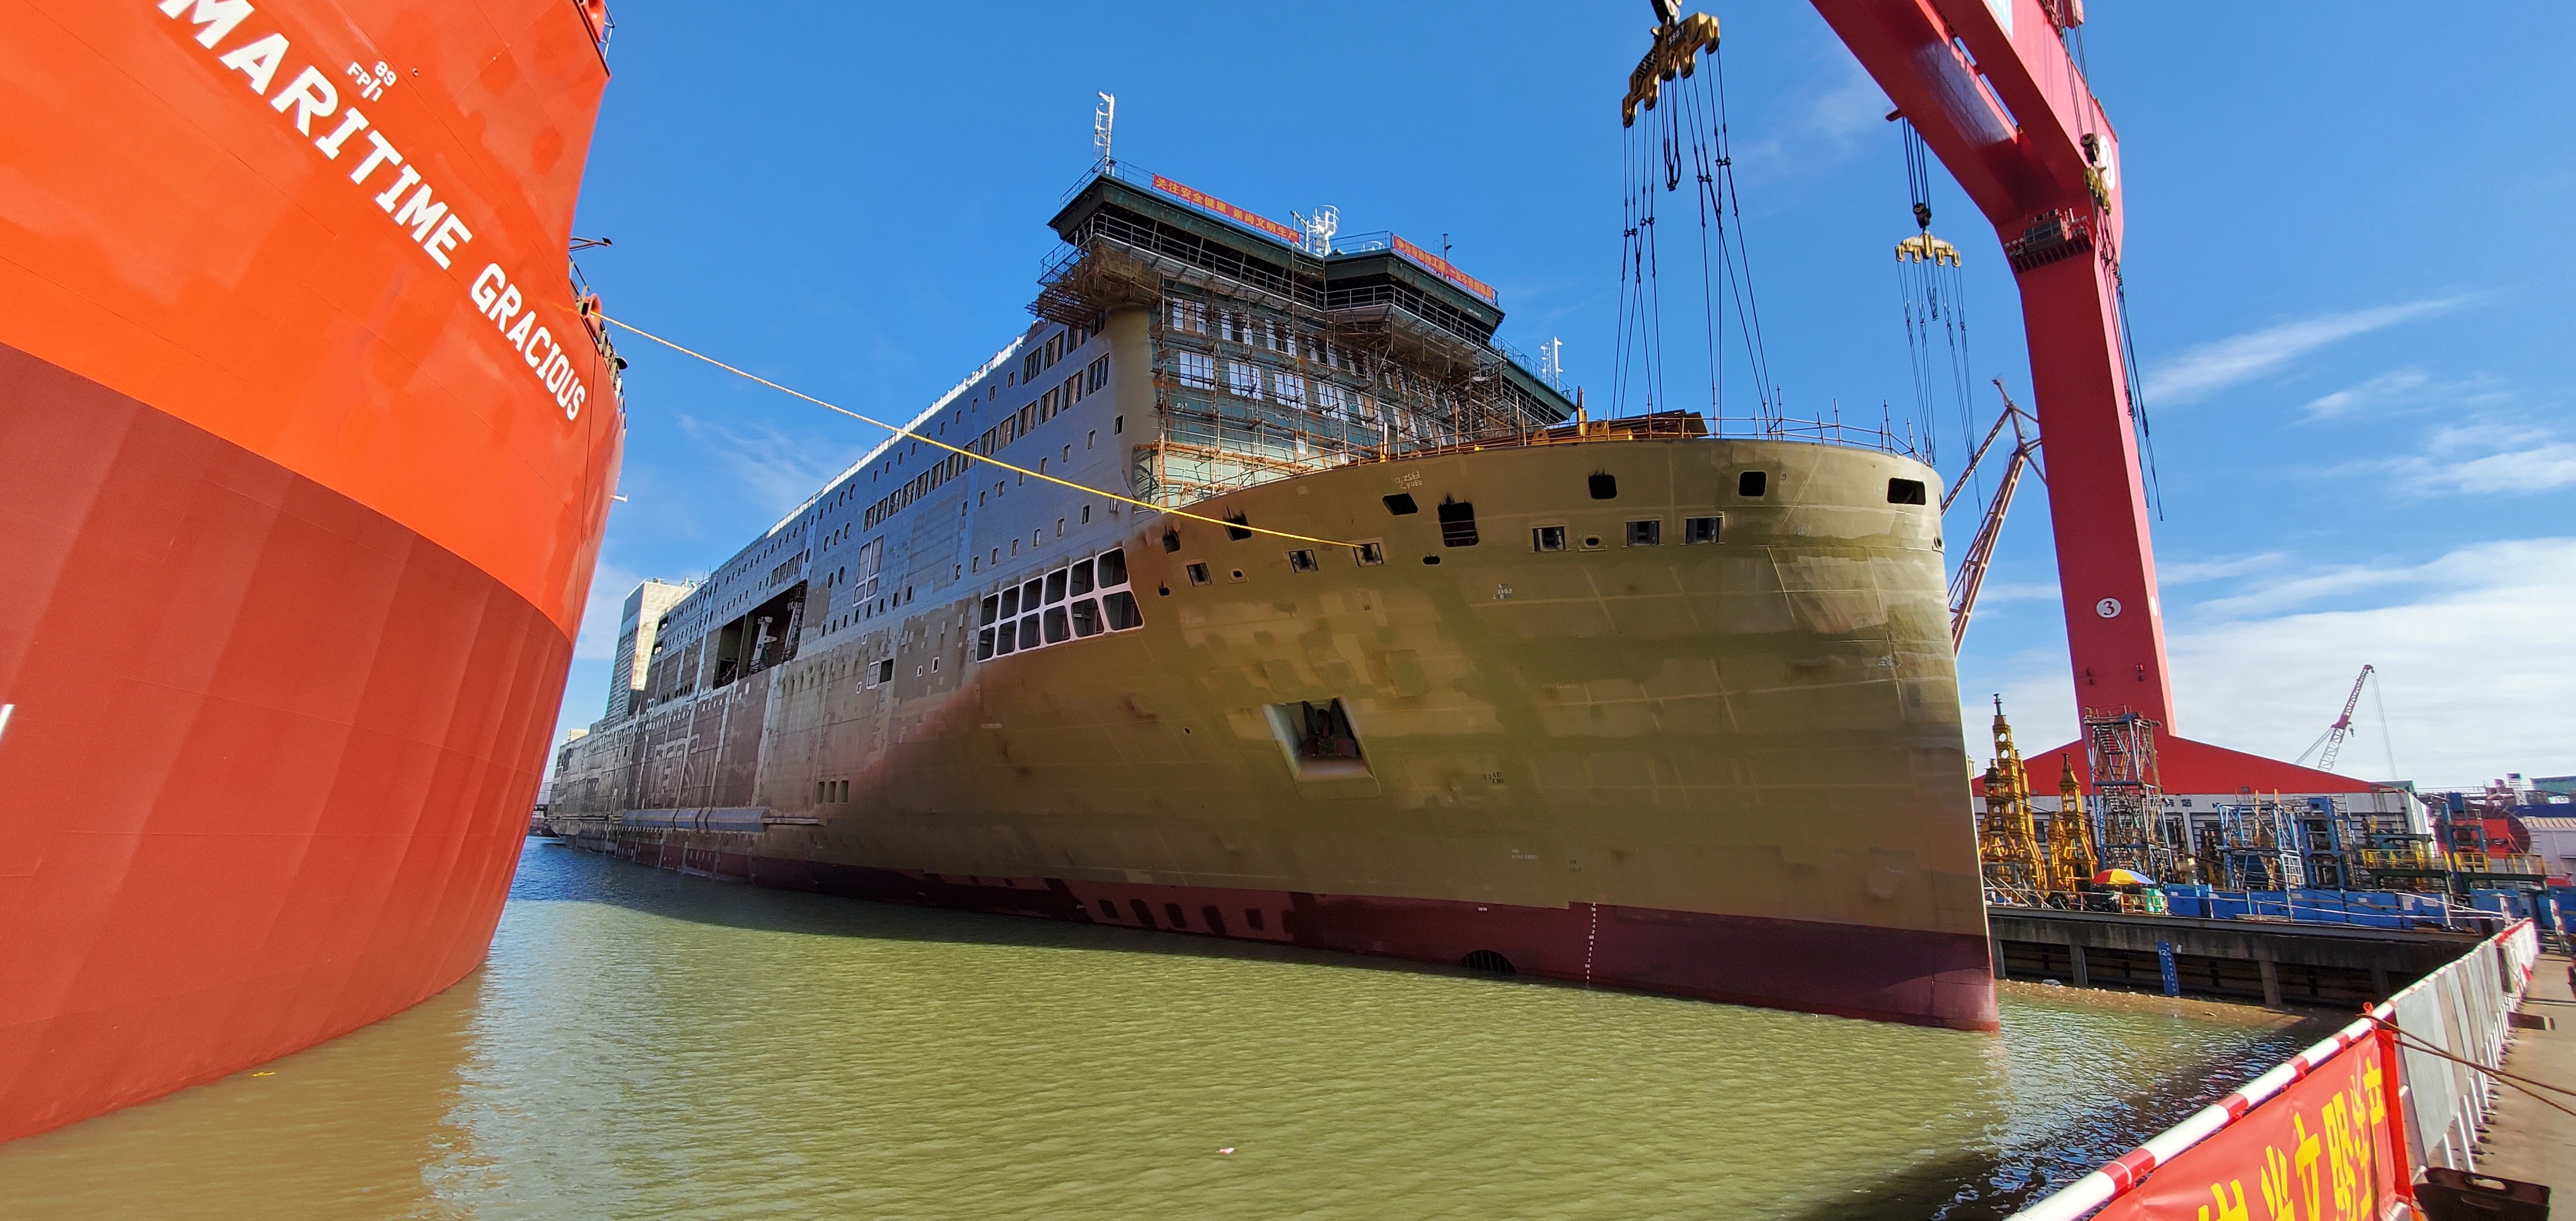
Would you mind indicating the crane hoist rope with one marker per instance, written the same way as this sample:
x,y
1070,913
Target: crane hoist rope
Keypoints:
x,y
1675,133
1932,298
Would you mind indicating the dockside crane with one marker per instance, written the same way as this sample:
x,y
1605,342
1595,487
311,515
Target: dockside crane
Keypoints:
x,y
1995,94
1981,549
2333,738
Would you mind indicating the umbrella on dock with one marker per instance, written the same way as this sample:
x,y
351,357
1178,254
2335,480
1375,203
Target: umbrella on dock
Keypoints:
x,y
2122,877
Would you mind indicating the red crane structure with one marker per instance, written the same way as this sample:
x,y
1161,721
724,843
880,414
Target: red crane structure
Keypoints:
x,y
1994,92
1990,86
2333,738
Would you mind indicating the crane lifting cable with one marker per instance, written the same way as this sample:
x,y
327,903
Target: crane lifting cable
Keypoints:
x,y
1932,295
1684,139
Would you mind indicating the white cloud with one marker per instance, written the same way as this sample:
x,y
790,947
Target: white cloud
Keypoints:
x,y
1826,126
2475,658
2408,387
2477,665
2210,367
609,585
2192,572
776,469
2490,457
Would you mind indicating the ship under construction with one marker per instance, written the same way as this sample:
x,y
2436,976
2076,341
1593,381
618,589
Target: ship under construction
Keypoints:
x,y
1406,657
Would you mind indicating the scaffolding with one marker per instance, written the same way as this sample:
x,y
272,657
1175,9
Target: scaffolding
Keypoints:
x,y
2128,800
2071,855
2256,846
1271,360
2008,851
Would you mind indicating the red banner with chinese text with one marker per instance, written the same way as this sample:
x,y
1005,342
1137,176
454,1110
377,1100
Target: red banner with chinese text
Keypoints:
x,y
1229,211
1441,267
2328,1148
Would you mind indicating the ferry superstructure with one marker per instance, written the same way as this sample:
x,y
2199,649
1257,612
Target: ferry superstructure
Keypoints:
x,y
307,441
1610,701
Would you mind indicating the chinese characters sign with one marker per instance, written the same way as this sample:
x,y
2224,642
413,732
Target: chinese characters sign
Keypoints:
x,y
2325,1149
1229,211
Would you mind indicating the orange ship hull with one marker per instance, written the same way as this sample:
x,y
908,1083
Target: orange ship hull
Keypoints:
x,y
308,447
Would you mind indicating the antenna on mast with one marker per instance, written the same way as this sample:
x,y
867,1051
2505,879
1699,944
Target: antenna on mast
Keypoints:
x,y
1104,118
1320,228
1551,363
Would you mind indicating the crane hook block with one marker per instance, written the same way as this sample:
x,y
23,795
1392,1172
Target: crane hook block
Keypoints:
x,y
1675,53
1925,248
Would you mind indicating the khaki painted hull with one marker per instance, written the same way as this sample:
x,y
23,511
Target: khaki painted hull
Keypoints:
x,y
1732,769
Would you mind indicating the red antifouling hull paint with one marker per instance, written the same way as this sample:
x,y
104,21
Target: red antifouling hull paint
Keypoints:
x,y
297,531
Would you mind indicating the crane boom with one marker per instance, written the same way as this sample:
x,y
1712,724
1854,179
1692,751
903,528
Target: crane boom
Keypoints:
x,y
1990,86
2336,734
1971,576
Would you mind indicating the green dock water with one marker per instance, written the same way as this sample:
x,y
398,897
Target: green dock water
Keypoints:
x,y
643,1044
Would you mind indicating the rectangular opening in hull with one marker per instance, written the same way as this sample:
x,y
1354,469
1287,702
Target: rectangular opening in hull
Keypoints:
x,y
1318,740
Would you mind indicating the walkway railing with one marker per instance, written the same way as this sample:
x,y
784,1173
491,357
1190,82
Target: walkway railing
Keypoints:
x,y
2461,1011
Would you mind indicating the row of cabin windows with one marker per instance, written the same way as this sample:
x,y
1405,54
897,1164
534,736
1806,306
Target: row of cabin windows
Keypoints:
x,y
827,792
1648,533
1041,359
1246,380
1043,408
1075,602
1250,330
1211,917
1303,559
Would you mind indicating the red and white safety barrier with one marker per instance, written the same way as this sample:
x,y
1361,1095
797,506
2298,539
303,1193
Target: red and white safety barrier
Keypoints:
x,y
2125,1172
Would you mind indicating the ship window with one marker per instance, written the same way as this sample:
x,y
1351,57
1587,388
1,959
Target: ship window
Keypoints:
x,y
1122,611
1198,574
1699,530
1252,916
1028,632
1301,561
1081,578
1029,594
1056,631
1431,559
1196,371
1905,491
1370,555
885,670
1144,914
984,645
1547,538
1457,524
1171,541
992,607
1007,641
1605,487
1645,533
1234,529
1086,618
1173,910
1113,567
1215,919
1752,483
1011,602
1401,504
1109,908
1055,587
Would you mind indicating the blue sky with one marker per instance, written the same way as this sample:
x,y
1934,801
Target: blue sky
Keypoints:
x,y
2346,257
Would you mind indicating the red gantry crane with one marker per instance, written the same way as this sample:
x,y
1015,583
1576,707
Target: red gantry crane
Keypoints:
x,y
1994,92
1990,86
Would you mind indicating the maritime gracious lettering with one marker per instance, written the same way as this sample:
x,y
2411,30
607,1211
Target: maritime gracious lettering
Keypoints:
x,y
310,100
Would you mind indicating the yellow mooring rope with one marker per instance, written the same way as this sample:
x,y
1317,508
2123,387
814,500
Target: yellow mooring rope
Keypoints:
x,y
971,455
